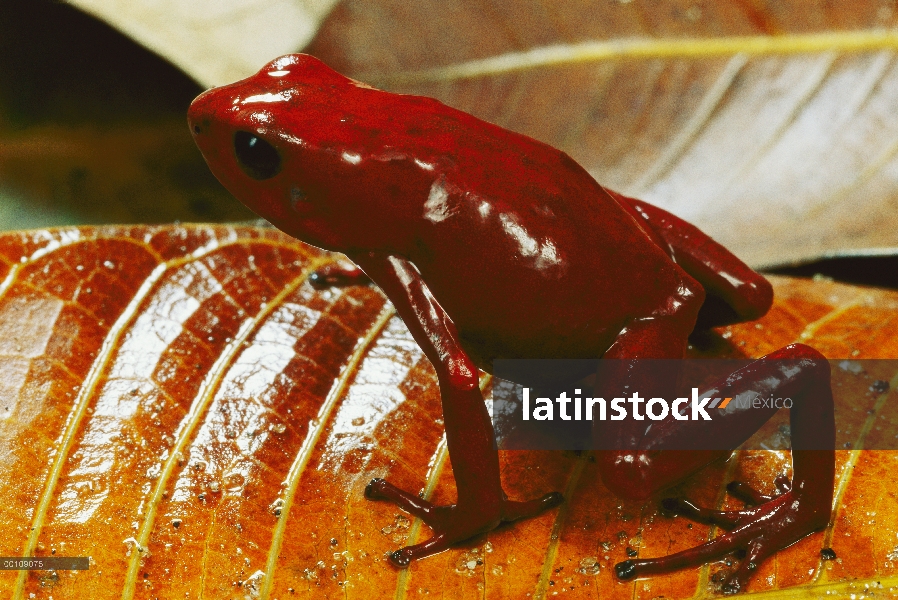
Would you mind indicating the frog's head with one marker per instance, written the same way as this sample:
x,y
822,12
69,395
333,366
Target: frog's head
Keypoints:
x,y
289,142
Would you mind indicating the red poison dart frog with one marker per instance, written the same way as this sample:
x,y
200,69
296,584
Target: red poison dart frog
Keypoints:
x,y
493,245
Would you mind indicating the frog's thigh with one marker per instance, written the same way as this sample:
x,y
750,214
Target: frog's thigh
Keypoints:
x,y
735,292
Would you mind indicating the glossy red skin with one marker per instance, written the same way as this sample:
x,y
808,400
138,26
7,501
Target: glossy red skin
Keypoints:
x,y
378,204
493,245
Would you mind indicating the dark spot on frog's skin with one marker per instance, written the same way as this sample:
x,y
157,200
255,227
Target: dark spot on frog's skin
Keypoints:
x,y
77,180
827,554
543,210
298,200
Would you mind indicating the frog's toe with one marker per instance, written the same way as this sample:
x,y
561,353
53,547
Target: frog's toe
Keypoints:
x,y
749,495
404,556
757,552
513,510
372,489
746,493
337,275
682,507
625,570
716,548
381,489
453,523
450,525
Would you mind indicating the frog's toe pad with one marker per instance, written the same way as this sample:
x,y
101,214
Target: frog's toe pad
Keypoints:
x,y
625,570
371,490
400,559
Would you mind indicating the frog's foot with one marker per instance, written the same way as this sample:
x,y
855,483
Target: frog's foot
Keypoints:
x,y
338,275
453,523
757,532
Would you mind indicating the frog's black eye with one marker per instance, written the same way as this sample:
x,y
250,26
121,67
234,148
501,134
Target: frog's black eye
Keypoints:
x,y
257,158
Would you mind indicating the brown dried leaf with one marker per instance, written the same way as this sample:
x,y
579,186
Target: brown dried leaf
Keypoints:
x,y
180,405
771,125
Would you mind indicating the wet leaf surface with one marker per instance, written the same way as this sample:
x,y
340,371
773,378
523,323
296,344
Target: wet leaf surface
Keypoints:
x,y
181,405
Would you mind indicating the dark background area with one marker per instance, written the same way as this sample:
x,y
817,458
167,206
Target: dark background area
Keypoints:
x,y
878,271
61,66
93,128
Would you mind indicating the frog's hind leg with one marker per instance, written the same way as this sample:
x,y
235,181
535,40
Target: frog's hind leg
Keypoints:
x,y
801,374
735,293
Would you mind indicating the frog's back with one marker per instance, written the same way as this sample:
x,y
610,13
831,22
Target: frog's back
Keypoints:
x,y
554,264
525,251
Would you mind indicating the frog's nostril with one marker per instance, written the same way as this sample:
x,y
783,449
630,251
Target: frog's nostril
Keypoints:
x,y
196,129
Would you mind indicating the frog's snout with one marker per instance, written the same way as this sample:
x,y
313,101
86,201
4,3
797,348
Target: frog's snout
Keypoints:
x,y
199,115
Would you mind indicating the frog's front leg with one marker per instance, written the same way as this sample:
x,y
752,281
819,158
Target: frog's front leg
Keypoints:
x,y
470,438
800,508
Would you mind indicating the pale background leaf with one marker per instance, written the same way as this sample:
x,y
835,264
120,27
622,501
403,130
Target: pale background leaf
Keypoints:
x,y
768,124
214,41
